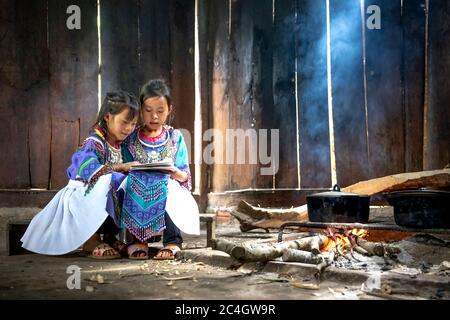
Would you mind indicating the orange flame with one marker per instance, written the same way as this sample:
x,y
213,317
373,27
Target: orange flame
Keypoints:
x,y
341,240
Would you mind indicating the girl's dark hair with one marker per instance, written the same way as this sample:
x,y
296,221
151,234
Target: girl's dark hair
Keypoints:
x,y
155,88
114,103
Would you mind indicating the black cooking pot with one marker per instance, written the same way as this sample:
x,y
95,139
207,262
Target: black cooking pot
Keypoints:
x,y
337,206
421,209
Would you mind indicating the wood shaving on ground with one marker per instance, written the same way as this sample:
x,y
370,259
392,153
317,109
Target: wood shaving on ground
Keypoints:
x,y
179,278
302,285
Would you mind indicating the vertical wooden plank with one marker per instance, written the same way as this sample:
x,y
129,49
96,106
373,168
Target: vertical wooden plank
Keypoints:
x,y
205,75
14,172
182,45
220,92
119,41
23,94
154,40
262,89
36,95
413,22
241,99
384,95
437,112
314,134
247,85
350,135
73,82
284,111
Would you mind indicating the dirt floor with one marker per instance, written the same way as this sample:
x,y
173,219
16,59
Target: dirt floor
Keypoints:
x,y
32,276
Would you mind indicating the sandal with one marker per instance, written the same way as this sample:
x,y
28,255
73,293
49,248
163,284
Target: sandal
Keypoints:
x,y
120,247
170,248
99,252
137,248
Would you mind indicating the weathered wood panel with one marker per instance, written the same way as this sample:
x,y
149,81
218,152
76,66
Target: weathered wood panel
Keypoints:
x,y
384,93
284,110
437,112
242,115
350,135
65,139
314,133
413,22
262,92
205,72
73,82
25,133
119,38
154,40
182,43
251,99
220,93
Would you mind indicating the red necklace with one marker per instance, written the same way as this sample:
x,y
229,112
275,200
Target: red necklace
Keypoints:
x,y
152,139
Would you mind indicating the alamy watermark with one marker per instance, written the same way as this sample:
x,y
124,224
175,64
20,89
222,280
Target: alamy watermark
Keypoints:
x,y
74,280
374,20
239,146
73,21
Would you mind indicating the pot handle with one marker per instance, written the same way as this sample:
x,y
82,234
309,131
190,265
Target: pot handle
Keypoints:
x,y
337,188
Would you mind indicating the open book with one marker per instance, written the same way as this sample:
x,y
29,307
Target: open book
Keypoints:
x,y
164,166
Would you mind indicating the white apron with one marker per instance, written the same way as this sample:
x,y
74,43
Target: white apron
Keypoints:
x,y
182,208
69,219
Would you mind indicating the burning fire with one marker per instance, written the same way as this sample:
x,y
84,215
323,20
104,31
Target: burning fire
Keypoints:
x,y
341,240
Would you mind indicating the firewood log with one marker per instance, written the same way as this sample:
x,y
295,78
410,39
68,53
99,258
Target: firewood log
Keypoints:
x,y
324,264
252,217
294,255
252,252
402,181
374,248
317,243
359,249
362,251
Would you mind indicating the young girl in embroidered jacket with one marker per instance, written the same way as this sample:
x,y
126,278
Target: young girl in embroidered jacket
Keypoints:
x,y
158,202
89,205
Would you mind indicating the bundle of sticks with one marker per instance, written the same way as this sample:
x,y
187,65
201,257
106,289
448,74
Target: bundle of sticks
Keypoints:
x,y
311,249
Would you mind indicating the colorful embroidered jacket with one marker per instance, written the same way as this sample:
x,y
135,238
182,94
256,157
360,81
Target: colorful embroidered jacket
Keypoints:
x,y
93,159
169,144
144,203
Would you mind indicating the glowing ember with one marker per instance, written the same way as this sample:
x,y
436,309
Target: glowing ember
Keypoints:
x,y
341,240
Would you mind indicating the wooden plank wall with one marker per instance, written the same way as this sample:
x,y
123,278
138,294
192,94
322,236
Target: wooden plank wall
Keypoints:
x,y
251,89
347,77
437,108
120,47
384,91
284,101
143,40
219,48
205,65
413,58
49,75
313,131
181,26
24,109
379,108
73,80
262,66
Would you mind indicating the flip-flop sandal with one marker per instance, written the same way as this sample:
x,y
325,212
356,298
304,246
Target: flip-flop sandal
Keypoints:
x,y
173,249
98,252
136,248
